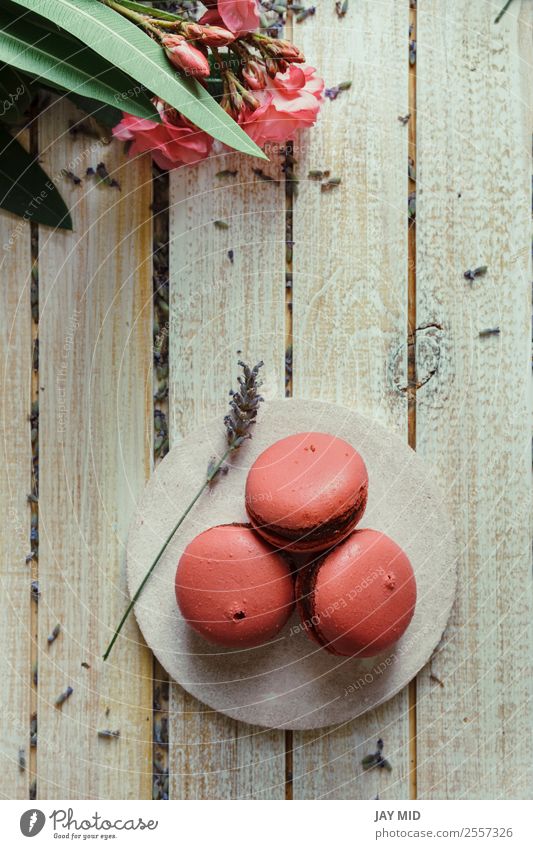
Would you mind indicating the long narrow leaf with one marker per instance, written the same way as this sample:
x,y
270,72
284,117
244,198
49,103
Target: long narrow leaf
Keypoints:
x,y
129,48
147,10
26,189
69,64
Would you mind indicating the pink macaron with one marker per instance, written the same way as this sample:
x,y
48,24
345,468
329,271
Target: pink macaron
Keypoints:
x,y
307,492
232,588
358,599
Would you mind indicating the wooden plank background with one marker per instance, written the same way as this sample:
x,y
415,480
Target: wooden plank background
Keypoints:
x,y
222,304
342,302
350,308
474,208
95,290
15,484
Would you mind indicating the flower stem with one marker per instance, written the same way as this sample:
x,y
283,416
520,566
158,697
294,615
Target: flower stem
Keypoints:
x,y
212,473
502,12
141,20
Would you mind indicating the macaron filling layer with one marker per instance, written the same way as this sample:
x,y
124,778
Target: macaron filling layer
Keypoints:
x,y
327,533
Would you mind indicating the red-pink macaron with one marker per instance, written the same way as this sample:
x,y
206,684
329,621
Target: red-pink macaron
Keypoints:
x,y
307,492
358,599
232,588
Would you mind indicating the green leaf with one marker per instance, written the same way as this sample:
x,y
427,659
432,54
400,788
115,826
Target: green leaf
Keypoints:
x,y
15,96
147,10
52,57
26,189
130,49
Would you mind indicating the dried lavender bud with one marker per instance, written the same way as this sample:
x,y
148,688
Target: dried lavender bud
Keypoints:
x,y
305,13
376,759
333,92
22,760
103,176
35,592
490,331
231,255
105,732
341,8
71,176
213,469
403,119
226,173
66,694
480,271
33,790
262,176
316,174
85,665
221,225
332,183
244,405
54,634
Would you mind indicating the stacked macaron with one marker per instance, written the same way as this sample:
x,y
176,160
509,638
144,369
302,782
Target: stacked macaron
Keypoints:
x,y
305,494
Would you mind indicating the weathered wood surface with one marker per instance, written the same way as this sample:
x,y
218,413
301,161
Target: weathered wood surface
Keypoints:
x,y
223,306
473,209
350,307
95,288
15,484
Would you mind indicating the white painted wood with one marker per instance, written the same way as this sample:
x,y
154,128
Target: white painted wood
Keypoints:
x,y
15,484
222,309
350,305
474,84
95,451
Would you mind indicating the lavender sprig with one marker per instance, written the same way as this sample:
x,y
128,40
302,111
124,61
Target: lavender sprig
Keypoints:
x,y
244,405
238,422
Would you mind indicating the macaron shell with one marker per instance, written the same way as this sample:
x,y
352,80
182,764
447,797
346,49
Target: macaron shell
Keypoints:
x,y
304,481
364,595
232,588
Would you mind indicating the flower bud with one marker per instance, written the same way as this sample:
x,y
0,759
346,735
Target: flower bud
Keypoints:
x,y
216,36
282,49
254,76
185,57
191,30
273,66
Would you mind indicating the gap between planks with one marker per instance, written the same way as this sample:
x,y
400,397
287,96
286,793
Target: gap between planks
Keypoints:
x,y
411,342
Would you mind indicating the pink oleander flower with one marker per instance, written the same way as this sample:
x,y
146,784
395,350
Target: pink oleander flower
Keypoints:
x,y
239,16
173,142
185,56
288,103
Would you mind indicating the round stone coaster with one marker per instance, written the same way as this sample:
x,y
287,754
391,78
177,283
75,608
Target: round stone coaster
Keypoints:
x,y
291,682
